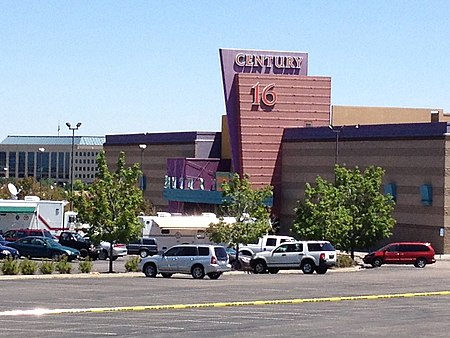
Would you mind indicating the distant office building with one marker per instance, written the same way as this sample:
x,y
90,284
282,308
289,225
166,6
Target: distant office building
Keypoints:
x,y
49,157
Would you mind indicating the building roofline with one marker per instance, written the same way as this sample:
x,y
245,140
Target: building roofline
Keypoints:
x,y
158,138
379,131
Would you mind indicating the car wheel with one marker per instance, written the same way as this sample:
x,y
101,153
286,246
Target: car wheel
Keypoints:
x,y
321,270
259,267
83,253
197,272
377,262
143,253
420,263
115,258
214,275
103,255
166,275
307,267
273,270
55,256
150,270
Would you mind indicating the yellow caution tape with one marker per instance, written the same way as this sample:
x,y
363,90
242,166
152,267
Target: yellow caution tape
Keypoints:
x,y
37,312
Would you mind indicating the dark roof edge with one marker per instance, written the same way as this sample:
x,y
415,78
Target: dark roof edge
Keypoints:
x,y
157,138
379,131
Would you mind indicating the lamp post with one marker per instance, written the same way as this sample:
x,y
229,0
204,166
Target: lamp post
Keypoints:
x,y
41,152
71,158
337,130
142,147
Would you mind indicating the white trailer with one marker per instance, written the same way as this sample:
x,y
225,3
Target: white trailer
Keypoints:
x,y
171,229
33,213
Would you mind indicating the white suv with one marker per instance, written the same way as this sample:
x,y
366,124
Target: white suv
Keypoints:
x,y
196,260
309,256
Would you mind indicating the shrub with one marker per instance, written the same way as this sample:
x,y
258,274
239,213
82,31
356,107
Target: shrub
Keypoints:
x,y
10,267
344,261
85,265
63,266
131,265
28,267
47,267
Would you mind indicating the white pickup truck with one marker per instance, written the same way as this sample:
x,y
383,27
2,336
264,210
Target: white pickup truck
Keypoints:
x,y
265,243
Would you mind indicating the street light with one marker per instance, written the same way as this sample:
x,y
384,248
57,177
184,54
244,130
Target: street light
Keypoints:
x,y
142,147
71,158
41,151
337,130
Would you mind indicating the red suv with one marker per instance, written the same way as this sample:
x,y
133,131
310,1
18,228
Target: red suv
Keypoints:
x,y
417,253
14,234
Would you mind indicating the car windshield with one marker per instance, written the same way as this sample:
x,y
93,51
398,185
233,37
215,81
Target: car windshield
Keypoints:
x,y
52,243
78,237
384,248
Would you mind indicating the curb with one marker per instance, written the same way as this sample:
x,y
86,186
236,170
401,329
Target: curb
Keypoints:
x,y
74,275
140,274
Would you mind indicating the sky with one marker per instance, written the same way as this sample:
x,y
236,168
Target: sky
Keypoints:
x,y
132,66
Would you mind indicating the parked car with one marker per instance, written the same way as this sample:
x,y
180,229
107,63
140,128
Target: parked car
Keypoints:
x,y
43,247
76,241
3,241
143,247
309,256
417,253
244,259
196,260
14,234
119,250
8,252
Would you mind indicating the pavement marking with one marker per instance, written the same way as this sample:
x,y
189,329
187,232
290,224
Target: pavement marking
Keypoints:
x,y
40,311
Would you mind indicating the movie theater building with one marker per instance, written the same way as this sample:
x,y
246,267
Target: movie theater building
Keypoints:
x,y
281,129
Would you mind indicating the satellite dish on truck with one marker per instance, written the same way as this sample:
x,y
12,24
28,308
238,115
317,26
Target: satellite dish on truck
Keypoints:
x,y
13,191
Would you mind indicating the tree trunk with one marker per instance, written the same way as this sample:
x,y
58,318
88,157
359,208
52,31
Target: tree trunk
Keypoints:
x,y
237,263
111,257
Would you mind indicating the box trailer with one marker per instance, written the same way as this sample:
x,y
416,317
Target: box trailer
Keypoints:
x,y
34,213
169,229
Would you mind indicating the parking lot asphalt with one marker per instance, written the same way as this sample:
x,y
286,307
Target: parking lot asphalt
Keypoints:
x,y
371,302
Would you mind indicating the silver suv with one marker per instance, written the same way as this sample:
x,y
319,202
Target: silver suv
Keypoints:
x,y
309,256
196,260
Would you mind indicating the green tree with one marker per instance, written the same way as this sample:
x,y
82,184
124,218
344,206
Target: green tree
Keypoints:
x,y
47,189
111,204
352,213
247,207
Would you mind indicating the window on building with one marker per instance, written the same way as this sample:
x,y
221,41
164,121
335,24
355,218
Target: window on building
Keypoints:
x,y
45,165
426,194
2,160
30,164
12,164
21,165
60,165
67,166
53,164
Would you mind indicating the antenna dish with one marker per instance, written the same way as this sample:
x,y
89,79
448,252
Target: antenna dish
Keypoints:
x,y
12,190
